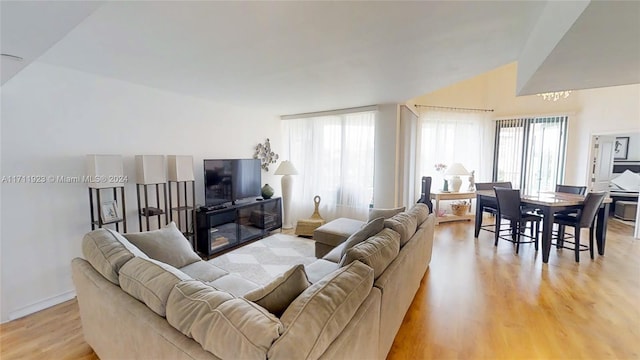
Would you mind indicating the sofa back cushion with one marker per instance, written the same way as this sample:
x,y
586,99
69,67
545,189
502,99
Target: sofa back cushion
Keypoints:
x,y
150,281
167,245
226,326
107,251
420,211
316,317
377,251
375,213
281,291
404,224
369,229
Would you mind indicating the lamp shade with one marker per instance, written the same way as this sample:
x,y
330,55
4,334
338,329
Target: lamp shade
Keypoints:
x,y
150,169
104,170
180,167
456,169
286,168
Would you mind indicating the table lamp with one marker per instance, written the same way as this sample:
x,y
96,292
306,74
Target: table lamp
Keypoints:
x,y
455,171
287,169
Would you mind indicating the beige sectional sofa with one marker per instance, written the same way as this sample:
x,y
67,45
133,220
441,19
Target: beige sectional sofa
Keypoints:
x,y
147,295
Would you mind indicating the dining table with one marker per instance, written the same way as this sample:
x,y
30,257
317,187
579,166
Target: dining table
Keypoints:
x,y
548,204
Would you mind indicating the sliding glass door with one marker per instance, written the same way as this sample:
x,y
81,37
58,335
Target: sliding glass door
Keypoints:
x,y
530,152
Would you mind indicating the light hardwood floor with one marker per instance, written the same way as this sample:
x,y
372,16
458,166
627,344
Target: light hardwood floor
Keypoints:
x,y
476,301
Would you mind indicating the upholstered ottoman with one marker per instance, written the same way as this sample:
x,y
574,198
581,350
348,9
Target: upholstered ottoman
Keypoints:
x,y
334,233
626,210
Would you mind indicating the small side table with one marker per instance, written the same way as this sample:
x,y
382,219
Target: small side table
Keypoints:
x,y
439,195
305,227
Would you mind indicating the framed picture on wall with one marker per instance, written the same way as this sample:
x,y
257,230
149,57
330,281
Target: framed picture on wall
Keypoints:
x,y
109,211
621,148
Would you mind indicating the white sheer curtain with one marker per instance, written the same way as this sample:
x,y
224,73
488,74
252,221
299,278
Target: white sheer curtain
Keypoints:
x,y
450,136
334,156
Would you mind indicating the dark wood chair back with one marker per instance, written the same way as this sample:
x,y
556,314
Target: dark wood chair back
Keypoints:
x,y
508,203
491,185
592,203
571,189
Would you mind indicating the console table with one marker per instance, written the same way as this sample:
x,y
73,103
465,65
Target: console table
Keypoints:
x,y
440,195
222,229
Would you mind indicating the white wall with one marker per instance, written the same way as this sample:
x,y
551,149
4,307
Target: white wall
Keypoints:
x,y
51,118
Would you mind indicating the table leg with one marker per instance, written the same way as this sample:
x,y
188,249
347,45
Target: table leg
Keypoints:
x,y
478,215
601,227
547,232
437,209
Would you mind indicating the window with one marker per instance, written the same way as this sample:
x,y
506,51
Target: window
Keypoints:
x,y
530,152
334,156
450,136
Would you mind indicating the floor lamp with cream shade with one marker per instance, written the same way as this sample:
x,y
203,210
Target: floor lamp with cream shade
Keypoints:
x,y
286,169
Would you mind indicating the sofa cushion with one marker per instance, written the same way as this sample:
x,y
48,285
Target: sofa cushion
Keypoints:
x,y
375,213
404,224
167,245
377,251
369,229
420,211
107,251
281,291
226,326
150,281
319,269
316,317
335,254
234,284
204,271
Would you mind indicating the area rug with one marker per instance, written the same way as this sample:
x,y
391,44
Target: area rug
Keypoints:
x,y
267,258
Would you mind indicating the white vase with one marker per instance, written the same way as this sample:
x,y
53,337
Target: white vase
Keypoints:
x,y
456,182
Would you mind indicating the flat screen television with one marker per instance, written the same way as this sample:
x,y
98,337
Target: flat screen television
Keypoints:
x,y
231,180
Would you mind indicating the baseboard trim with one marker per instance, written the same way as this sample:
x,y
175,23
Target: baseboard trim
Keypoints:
x,y
41,305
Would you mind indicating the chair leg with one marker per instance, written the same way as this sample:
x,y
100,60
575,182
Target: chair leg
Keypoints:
x,y
577,240
516,228
497,232
591,233
560,242
535,237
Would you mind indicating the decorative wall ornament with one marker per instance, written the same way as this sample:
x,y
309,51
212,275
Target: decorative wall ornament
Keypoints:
x,y
265,155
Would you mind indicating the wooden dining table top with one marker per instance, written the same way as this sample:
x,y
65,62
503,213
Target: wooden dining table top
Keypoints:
x,y
547,198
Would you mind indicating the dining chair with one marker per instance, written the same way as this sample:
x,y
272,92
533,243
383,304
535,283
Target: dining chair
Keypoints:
x,y
571,189
583,218
491,206
510,208
425,193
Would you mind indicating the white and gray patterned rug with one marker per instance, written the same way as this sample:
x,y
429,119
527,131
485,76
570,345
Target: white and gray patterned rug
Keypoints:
x,y
267,258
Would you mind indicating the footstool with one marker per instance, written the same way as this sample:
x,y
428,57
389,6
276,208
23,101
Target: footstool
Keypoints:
x,y
334,233
626,210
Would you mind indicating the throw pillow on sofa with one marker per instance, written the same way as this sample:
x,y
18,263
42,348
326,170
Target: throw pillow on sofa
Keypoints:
x,y
107,251
377,251
322,312
384,213
369,229
281,291
167,245
226,326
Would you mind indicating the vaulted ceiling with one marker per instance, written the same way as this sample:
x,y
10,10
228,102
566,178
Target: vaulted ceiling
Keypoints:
x,y
293,57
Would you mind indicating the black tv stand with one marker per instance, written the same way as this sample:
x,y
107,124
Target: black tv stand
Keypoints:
x,y
220,229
